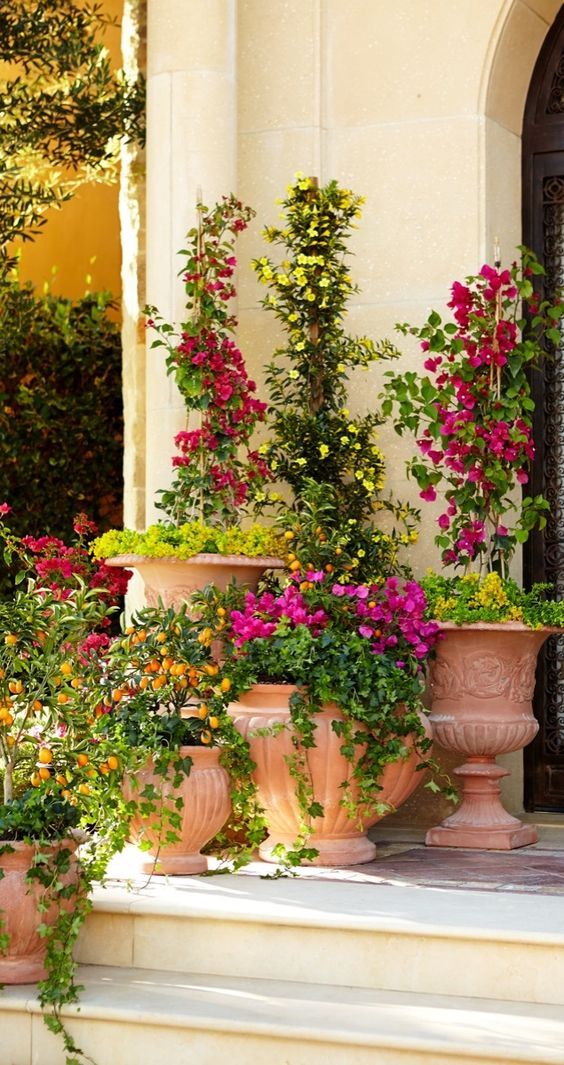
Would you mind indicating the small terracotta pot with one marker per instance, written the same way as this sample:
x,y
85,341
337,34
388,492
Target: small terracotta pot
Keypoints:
x,y
206,802
173,580
339,839
482,684
24,961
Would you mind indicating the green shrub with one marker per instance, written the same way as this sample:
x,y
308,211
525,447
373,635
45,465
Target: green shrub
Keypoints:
x,y
61,415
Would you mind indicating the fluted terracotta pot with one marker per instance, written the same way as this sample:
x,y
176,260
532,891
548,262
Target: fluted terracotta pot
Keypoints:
x,y
482,683
338,838
23,963
173,580
205,794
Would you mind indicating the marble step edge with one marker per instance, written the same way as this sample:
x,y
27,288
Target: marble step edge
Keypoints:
x,y
430,1024
429,912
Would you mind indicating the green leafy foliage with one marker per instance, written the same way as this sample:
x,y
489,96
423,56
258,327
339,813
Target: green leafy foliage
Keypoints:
x,y
61,416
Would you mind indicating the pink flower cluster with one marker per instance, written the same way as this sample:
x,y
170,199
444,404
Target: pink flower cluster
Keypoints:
x,y
262,616
471,443
58,565
220,288
229,417
214,463
390,614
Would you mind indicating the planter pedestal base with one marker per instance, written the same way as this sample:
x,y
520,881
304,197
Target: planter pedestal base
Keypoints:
x,y
171,865
481,821
332,852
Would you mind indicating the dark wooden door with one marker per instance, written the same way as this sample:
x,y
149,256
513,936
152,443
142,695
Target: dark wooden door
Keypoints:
x,y
543,230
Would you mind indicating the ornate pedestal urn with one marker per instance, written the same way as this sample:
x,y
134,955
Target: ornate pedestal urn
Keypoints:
x,y
174,580
482,685
340,840
206,805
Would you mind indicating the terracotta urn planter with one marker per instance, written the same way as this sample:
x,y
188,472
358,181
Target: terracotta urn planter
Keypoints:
x,y
173,580
206,802
340,840
24,961
482,684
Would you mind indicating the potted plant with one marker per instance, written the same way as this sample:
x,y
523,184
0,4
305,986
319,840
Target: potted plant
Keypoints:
x,y
57,781
472,414
328,681
328,457
160,696
217,472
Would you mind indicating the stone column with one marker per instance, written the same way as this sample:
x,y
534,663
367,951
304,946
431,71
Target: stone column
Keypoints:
x,y
191,145
132,224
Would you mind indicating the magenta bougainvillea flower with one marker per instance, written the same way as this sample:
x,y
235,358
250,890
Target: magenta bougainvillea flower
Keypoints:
x,y
217,473
472,413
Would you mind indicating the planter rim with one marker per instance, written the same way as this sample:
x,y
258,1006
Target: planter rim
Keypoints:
x,y
215,749
275,686
197,749
19,845
202,558
495,626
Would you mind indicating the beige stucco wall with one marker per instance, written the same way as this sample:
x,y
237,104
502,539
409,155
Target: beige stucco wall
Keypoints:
x,y
417,105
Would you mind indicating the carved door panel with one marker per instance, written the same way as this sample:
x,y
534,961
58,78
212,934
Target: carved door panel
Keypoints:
x,y
543,230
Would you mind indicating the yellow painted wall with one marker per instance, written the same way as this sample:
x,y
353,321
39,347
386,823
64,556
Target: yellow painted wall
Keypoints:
x,y
84,228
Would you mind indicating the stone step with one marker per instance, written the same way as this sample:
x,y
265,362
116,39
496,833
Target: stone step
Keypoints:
x,y
405,938
131,1016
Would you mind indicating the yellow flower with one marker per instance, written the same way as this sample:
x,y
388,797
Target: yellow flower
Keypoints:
x,y
293,374
323,451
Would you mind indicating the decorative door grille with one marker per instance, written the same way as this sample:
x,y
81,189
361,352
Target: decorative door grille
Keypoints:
x,y
543,230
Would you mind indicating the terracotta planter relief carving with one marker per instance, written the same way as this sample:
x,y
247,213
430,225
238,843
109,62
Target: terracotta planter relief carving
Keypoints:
x,y
482,684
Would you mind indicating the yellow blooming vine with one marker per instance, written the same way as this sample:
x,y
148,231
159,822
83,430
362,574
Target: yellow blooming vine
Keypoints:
x,y
317,446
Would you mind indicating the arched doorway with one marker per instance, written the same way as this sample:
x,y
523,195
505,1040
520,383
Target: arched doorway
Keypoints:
x,y
543,230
